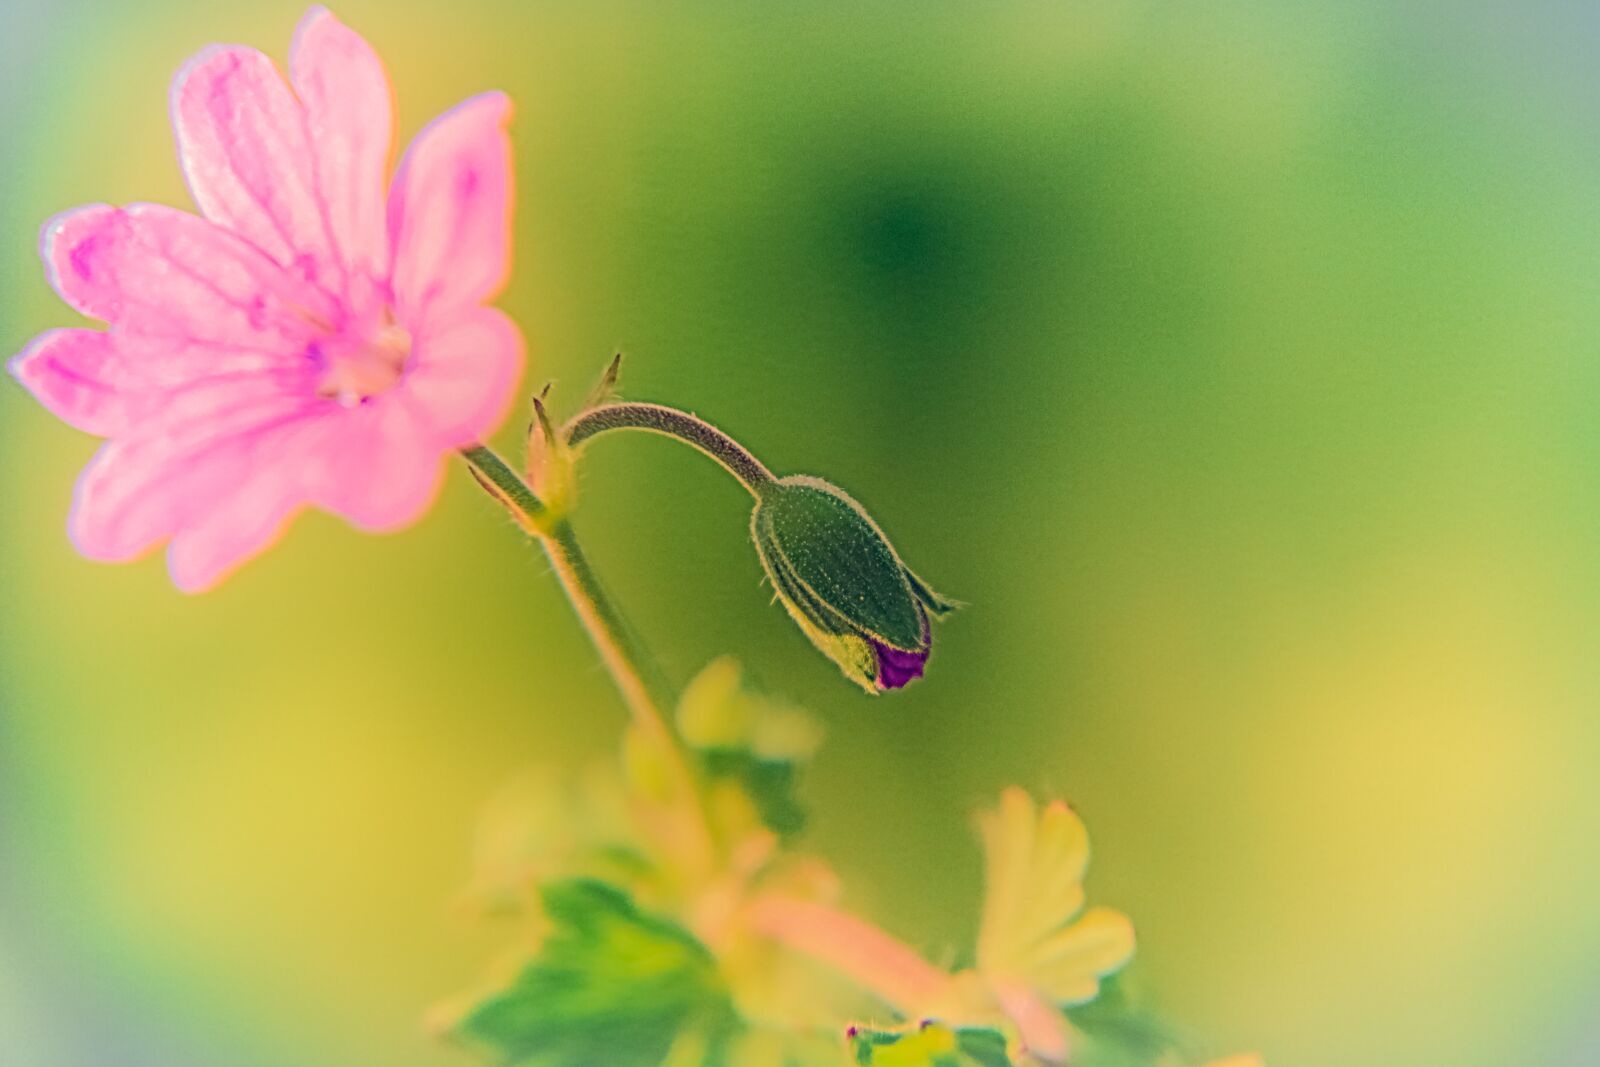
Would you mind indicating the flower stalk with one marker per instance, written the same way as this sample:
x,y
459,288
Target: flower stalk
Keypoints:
x,y
503,483
633,670
631,665
681,425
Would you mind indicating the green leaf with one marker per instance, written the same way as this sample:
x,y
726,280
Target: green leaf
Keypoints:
x,y
930,1045
754,740
769,782
611,984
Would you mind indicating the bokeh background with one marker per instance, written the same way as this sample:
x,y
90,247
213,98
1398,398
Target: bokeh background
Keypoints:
x,y
1237,362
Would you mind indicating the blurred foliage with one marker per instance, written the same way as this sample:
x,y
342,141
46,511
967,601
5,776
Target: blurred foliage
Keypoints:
x,y
609,984
1236,361
930,1045
757,743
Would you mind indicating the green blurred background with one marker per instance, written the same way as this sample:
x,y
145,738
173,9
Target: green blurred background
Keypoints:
x,y
1237,362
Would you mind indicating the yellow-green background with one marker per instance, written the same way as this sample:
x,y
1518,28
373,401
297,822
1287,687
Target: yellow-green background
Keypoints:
x,y
1238,362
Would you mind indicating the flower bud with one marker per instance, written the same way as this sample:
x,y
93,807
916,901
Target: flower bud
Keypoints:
x,y
843,583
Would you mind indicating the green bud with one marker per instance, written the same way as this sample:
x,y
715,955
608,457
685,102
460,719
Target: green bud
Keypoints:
x,y
843,583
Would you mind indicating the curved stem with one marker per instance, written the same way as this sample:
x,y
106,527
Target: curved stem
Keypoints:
x,y
631,667
670,422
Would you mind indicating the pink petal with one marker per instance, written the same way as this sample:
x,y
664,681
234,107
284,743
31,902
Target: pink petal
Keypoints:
x,y
381,468
462,375
73,374
244,523
150,368
159,272
244,147
1041,1026
450,210
349,111
164,475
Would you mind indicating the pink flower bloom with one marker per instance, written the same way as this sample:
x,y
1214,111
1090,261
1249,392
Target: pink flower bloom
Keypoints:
x,y
305,340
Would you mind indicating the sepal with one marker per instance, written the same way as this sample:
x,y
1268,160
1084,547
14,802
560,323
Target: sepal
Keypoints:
x,y
549,461
842,582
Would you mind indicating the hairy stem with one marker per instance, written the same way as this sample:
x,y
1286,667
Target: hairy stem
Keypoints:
x,y
631,667
507,486
634,671
670,422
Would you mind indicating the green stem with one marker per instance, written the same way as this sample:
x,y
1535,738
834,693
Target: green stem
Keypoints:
x,y
630,665
505,484
670,422
635,673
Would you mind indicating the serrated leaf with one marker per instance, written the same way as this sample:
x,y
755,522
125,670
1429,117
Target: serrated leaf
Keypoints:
x,y
611,984
930,1045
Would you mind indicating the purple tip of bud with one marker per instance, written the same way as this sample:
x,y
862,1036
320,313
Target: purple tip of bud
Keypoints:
x,y
896,668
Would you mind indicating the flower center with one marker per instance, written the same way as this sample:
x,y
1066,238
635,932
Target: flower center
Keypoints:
x,y
357,367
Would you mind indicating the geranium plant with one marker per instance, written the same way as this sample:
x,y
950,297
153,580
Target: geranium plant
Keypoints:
x,y
319,335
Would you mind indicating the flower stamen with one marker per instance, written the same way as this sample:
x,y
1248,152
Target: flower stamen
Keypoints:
x,y
356,369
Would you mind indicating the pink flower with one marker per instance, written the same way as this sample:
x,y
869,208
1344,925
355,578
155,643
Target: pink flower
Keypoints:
x,y
305,340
